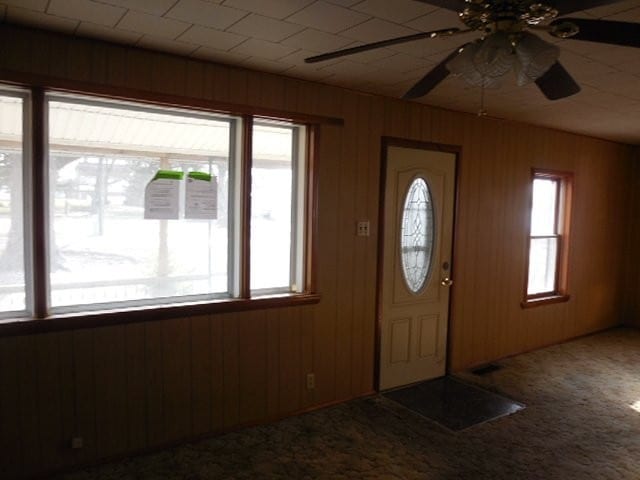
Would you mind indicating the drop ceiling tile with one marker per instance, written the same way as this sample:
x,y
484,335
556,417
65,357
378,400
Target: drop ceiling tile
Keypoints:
x,y
205,13
369,56
327,17
350,70
436,20
301,71
386,77
211,38
154,7
165,45
152,25
265,28
615,55
32,18
274,8
632,15
622,83
583,48
399,11
616,102
219,56
263,65
441,46
632,66
261,48
613,9
344,3
86,11
298,57
375,30
402,63
317,41
38,5
86,29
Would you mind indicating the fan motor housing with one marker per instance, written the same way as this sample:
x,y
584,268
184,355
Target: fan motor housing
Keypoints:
x,y
505,15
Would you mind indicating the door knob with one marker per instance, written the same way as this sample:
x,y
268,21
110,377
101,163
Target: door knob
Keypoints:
x,y
446,282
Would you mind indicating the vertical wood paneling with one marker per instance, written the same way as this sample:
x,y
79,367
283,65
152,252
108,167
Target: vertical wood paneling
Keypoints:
x,y
290,374
85,394
346,272
49,407
28,394
125,388
324,323
10,433
67,398
305,317
153,348
110,383
252,367
201,375
217,372
230,371
136,385
273,362
176,376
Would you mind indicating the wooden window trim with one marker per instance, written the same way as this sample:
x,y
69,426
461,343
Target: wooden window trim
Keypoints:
x,y
42,321
562,233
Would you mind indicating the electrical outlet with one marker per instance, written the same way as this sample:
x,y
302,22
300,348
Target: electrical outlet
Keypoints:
x,y
77,442
363,228
311,381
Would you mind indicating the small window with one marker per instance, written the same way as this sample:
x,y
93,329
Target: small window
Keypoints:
x,y
277,207
548,238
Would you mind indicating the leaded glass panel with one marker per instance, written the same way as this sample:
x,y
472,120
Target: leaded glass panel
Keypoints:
x,y
417,235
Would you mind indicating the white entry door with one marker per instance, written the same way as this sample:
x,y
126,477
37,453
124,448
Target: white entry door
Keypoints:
x,y
416,267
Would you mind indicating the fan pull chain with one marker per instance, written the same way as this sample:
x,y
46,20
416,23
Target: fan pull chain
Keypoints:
x,y
482,112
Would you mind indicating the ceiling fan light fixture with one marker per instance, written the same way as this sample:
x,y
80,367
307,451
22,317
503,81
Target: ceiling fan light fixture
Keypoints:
x,y
534,58
463,66
495,56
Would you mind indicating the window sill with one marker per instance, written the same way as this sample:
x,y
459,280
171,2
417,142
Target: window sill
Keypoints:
x,y
537,302
70,321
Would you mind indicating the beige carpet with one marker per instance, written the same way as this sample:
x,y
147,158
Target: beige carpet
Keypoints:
x,y
579,424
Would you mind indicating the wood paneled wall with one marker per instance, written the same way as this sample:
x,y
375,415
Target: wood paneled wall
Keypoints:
x,y
631,313
129,387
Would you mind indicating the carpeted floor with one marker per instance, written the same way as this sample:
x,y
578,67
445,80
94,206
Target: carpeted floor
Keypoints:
x,y
579,424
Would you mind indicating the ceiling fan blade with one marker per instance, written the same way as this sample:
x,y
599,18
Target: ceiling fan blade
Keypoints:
x,y
604,31
433,78
570,6
556,83
383,43
455,5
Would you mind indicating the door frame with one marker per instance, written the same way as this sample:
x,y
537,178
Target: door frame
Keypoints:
x,y
387,142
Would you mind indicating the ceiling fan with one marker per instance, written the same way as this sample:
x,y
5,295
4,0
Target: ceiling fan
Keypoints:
x,y
506,43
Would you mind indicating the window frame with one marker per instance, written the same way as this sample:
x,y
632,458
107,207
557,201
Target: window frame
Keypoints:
x,y
562,226
38,316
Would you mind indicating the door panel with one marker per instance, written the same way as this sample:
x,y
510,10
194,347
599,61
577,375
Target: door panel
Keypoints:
x,y
414,288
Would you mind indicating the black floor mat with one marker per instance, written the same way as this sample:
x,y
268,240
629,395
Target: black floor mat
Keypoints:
x,y
453,404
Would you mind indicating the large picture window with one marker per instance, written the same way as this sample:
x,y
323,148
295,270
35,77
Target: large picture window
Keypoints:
x,y
549,237
102,252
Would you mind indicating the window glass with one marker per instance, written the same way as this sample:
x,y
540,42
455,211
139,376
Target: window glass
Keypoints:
x,y
12,241
543,256
416,235
273,196
102,249
543,212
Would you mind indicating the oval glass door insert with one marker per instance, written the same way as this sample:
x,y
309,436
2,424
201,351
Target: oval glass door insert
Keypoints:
x,y
416,235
